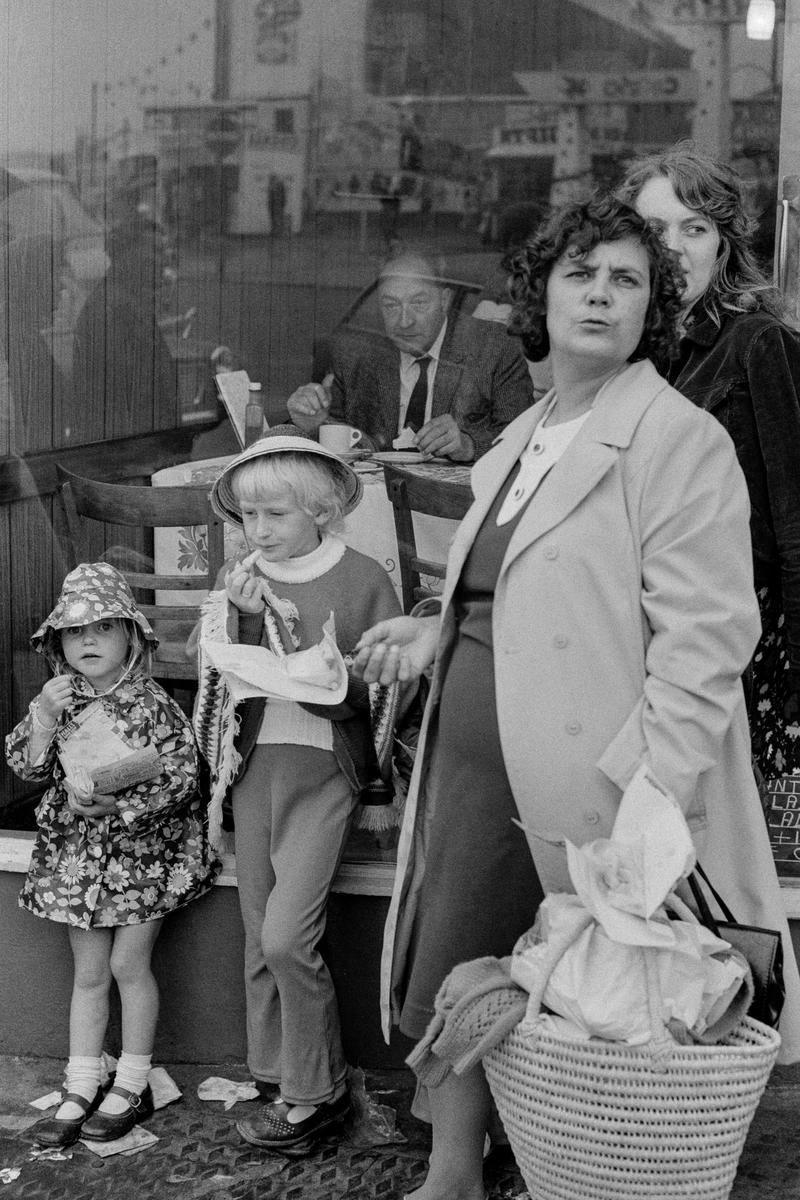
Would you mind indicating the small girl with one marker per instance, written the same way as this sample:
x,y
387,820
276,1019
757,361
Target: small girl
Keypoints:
x,y
299,770
109,863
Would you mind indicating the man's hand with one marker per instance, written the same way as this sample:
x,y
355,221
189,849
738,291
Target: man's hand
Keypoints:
x,y
54,698
244,590
442,437
309,405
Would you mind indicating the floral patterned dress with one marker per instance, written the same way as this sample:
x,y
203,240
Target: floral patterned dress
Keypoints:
x,y
151,854
774,704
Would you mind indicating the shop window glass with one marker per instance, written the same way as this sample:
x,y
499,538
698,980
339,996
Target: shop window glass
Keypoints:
x,y
185,177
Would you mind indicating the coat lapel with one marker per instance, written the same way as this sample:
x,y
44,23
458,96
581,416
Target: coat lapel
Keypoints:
x,y
448,371
386,410
488,476
618,408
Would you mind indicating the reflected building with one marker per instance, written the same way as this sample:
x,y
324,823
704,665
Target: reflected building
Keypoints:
x,y
450,106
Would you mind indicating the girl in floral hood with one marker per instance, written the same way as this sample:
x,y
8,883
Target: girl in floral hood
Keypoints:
x,y
122,836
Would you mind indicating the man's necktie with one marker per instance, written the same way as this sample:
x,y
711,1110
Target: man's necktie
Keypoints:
x,y
415,413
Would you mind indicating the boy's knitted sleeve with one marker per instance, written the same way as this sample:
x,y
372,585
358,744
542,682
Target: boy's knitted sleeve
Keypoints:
x,y
145,806
374,600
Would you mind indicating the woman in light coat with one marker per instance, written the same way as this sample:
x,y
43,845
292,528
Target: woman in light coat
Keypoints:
x,y
600,592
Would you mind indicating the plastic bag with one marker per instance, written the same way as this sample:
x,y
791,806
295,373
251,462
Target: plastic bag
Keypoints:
x,y
601,986
369,1123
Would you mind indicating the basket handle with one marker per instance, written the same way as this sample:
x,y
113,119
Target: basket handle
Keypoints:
x,y
661,1044
555,952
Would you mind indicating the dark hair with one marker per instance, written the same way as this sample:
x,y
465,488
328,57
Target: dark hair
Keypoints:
x,y
582,226
711,187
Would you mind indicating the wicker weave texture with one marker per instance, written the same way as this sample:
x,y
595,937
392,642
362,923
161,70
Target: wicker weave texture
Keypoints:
x,y
595,1121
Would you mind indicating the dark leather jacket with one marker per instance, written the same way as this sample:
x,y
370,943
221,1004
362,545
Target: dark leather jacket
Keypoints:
x,y
747,373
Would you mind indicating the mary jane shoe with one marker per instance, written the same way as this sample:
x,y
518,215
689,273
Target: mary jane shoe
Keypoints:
x,y
57,1133
107,1127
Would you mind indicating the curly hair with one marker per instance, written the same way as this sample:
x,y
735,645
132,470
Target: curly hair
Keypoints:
x,y
712,188
579,227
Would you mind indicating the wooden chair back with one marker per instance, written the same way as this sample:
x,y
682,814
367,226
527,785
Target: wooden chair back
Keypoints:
x,y
410,492
147,508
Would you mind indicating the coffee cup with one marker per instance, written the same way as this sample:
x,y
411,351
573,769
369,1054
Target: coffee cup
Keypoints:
x,y
339,438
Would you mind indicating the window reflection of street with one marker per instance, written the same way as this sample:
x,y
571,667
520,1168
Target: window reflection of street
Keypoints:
x,y
237,182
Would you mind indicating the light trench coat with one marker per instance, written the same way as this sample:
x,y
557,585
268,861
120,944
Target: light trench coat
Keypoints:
x,y
624,616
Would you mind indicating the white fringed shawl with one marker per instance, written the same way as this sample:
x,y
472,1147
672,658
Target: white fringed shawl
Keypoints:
x,y
216,721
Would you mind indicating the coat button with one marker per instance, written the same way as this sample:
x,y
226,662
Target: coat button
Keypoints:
x,y
537,447
550,552
592,817
560,641
573,727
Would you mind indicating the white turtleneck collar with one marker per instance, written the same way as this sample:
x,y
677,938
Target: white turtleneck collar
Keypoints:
x,y
307,566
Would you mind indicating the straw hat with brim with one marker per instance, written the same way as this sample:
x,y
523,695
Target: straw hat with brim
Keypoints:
x,y
92,592
277,441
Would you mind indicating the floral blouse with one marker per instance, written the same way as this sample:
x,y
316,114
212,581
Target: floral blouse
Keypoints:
x,y
151,854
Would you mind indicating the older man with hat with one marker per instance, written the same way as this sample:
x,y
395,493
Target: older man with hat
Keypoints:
x,y
451,382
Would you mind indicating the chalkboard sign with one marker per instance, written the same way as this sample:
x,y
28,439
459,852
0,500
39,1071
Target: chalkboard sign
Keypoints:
x,y
781,799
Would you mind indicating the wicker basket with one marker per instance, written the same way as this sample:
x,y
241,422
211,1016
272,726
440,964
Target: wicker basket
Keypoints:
x,y
598,1120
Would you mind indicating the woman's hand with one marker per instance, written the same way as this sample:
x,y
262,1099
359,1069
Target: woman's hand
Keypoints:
x,y
397,650
243,589
54,698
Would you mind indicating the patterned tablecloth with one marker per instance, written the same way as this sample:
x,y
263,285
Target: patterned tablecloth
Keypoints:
x,y
370,528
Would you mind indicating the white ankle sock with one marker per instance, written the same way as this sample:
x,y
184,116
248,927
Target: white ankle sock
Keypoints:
x,y
82,1076
132,1071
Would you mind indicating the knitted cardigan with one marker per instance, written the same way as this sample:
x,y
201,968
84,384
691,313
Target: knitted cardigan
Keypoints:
x,y
360,594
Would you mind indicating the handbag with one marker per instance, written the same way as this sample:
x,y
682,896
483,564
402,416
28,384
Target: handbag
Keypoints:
x,y
762,948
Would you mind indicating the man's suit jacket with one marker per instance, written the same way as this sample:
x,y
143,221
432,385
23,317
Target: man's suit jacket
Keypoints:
x,y
481,378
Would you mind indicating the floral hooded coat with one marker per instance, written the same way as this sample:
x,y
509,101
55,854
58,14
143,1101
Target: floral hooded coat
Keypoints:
x,y
151,854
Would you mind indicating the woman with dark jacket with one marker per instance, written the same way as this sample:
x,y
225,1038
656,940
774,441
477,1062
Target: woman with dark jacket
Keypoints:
x,y
740,360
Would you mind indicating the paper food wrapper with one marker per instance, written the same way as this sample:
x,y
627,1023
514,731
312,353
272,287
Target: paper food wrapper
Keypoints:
x,y
92,747
623,880
599,986
405,440
164,1088
256,671
229,1091
138,1139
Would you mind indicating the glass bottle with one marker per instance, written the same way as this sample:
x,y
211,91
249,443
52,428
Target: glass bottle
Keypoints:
x,y
254,414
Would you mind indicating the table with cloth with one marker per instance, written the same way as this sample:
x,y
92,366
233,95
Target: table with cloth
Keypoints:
x,y
369,528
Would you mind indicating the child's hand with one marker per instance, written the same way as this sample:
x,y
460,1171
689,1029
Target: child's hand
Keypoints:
x,y
99,805
243,589
54,698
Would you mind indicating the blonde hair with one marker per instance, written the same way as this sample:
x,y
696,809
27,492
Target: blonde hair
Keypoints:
x,y
318,491
140,650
